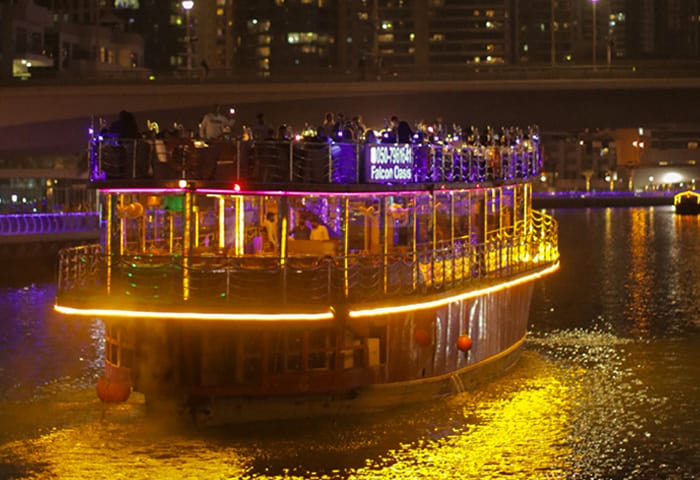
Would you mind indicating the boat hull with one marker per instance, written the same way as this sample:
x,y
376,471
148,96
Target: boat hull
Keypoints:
x,y
372,398
405,358
688,208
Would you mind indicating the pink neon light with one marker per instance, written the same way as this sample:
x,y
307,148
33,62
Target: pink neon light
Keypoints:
x,y
288,193
239,191
143,190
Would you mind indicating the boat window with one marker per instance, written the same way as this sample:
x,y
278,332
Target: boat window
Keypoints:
x,y
443,220
461,216
493,209
424,221
321,349
286,351
400,217
252,347
118,347
507,206
363,225
476,222
204,220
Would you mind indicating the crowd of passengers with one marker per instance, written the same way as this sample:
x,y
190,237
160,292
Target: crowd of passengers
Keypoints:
x,y
178,152
217,126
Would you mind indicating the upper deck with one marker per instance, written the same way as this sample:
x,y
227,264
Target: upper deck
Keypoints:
x,y
314,163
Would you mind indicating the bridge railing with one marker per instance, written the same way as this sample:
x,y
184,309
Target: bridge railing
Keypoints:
x,y
48,223
314,162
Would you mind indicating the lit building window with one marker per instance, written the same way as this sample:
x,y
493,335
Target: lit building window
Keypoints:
x,y
219,12
387,25
126,3
301,37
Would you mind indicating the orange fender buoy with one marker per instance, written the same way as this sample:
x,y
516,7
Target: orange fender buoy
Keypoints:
x,y
421,337
112,392
464,343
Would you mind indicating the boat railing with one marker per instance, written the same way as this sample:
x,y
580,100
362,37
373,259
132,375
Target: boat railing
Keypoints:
x,y
307,162
219,281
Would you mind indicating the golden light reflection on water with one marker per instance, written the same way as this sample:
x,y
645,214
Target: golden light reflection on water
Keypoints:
x,y
517,427
517,435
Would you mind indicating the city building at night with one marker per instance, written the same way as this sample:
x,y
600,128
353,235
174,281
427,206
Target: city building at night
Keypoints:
x,y
55,39
642,159
360,39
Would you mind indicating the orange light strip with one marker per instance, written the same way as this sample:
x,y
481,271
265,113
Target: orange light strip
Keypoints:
x,y
372,312
258,317
303,317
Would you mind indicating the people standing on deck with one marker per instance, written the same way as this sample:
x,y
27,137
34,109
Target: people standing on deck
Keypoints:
x,y
439,129
123,159
214,125
125,126
328,123
261,130
403,132
392,132
318,230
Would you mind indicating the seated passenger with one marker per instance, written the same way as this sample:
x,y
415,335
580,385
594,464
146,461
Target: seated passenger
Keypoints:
x,y
301,231
318,230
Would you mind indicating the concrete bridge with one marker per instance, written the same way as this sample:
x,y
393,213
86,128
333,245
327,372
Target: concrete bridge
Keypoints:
x,y
54,118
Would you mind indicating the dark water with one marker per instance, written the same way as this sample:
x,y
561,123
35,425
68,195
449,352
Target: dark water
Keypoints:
x,y
608,386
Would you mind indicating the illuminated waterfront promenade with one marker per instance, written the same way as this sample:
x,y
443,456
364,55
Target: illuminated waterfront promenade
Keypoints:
x,y
564,199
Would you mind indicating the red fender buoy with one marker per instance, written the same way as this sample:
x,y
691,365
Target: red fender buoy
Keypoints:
x,y
464,343
421,337
112,392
